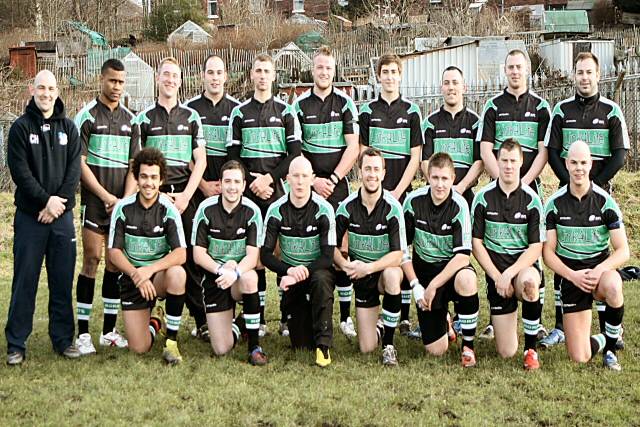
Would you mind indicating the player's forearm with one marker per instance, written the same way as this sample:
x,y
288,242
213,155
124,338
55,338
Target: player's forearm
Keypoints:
x,y
557,165
554,262
457,263
196,176
537,166
409,174
408,270
202,258
528,257
338,259
616,259
270,261
130,185
176,257
120,261
483,258
392,259
349,156
489,159
250,261
472,175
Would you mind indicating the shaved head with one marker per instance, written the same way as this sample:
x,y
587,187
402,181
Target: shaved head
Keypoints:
x,y
579,148
300,179
300,163
45,92
579,163
45,76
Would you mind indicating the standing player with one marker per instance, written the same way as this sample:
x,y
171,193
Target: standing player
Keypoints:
x,y
582,219
264,136
225,238
599,122
373,221
392,124
303,224
438,224
146,243
109,141
508,232
176,131
520,114
330,140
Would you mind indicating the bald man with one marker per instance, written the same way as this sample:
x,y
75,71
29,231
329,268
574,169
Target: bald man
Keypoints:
x,y
582,220
303,223
44,160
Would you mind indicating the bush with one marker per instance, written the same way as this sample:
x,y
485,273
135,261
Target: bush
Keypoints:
x,y
169,15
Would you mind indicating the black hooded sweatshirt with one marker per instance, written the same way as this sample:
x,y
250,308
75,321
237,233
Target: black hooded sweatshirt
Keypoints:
x,y
44,158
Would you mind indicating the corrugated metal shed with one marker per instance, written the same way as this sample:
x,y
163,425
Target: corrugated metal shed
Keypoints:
x,y
560,54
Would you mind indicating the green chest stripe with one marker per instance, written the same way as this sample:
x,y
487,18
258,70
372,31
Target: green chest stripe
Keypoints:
x,y
108,151
506,238
299,250
394,143
581,242
598,140
216,137
526,133
368,248
227,250
144,250
263,142
323,138
460,150
433,248
176,148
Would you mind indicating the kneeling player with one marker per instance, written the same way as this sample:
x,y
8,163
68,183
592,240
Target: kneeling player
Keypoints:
x,y
581,220
225,242
438,224
507,242
373,221
304,225
146,243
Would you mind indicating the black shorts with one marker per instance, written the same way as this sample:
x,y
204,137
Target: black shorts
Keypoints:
x,y
572,297
130,296
215,300
94,216
366,291
500,305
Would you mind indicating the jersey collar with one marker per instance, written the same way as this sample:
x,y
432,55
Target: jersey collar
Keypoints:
x,y
378,202
313,94
433,206
456,115
202,95
589,99
502,191
585,197
513,97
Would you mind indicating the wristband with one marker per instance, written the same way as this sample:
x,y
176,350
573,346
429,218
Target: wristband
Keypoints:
x,y
414,282
238,273
334,178
418,292
220,271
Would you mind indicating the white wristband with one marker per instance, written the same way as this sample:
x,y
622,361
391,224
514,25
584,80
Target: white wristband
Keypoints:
x,y
414,282
418,292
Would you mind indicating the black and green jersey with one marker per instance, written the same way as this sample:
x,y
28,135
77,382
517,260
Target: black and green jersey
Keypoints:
x,y
266,134
438,232
109,140
394,129
305,234
507,225
176,134
371,235
524,119
215,120
145,235
455,135
324,124
582,225
596,120
226,235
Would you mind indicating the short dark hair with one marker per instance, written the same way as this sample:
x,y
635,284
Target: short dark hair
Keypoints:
x,y
232,164
510,144
111,64
453,68
370,152
213,55
386,59
586,55
514,52
149,156
441,160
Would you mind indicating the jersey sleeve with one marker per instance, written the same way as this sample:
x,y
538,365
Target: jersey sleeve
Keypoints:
x,y
611,214
429,136
553,137
364,120
84,128
535,221
254,227
618,133
200,232
327,228
478,218
461,228
544,117
396,229
197,133
292,129
174,232
409,219
415,124
342,222
134,140
487,130
551,215
116,228
476,141
234,135
350,125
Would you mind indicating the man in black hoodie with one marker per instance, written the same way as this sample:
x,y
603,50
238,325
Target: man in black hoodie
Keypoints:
x,y
44,160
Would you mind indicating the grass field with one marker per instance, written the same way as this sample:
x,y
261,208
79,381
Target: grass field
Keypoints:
x,y
115,387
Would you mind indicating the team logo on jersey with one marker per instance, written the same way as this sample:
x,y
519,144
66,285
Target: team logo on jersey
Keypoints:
x,y
354,225
125,128
380,227
597,121
334,114
240,230
593,218
520,215
34,139
529,114
158,229
274,119
225,118
465,130
182,127
62,138
311,228
401,120
446,227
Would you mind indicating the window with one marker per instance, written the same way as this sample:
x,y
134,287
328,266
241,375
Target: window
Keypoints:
x,y
212,8
298,6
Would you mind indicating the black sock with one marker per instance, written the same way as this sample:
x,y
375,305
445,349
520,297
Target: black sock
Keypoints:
x,y
613,321
467,311
262,292
174,306
601,308
283,313
530,322
111,300
154,327
84,297
557,302
597,343
405,293
251,315
390,316
345,290
325,350
235,332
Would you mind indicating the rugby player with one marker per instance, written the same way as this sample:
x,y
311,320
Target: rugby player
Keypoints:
x,y
109,141
438,225
582,219
147,244
392,124
373,221
330,140
176,131
303,223
264,135
589,117
508,232
227,228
